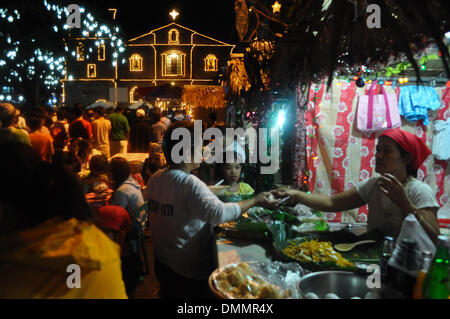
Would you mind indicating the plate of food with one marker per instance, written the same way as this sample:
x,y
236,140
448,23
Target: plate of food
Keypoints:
x,y
315,252
255,280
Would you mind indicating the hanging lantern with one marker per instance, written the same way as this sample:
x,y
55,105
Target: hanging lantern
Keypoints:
x,y
240,7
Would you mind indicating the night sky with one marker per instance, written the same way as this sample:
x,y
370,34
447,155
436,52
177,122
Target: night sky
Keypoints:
x,y
214,18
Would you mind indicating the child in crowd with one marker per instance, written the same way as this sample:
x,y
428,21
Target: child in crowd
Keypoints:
x,y
127,194
97,181
154,162
77,157
59,131
232,175
41,142
80,149
127,191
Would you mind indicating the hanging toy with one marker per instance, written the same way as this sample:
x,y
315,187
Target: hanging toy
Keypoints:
x,y
359,78
360,82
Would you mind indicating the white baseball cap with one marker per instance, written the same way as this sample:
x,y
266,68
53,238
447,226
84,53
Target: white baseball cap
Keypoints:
x,y
140,113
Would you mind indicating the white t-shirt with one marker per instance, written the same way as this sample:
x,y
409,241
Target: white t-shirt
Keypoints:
x,y
183,211
384,214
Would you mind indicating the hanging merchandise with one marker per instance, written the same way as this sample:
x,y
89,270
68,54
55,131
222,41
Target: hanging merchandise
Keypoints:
x,y
415,101
377,112
441,131
240,7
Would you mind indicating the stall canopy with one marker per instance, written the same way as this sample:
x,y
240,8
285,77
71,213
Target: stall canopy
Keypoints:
x,y
142,92
138,105
204,96
104,104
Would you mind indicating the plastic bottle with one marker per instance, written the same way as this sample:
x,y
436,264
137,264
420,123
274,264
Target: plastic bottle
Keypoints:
x,y
426,262
403,267
436,283
386,253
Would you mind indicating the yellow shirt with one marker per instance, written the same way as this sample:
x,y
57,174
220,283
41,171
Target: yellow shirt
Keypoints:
x,y
34,262
244,189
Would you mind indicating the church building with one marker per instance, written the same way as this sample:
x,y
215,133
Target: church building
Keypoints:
x,y
172,54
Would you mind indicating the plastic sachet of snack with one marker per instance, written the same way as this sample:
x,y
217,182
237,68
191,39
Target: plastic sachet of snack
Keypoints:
x,y
100,187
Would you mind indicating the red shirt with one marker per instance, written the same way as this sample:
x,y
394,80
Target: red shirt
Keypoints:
x,y
43,143
87,125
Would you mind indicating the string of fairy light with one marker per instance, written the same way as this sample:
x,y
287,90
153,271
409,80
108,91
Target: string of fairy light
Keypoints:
x,y
52,65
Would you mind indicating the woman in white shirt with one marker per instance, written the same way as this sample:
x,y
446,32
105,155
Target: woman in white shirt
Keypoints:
x,y
391,196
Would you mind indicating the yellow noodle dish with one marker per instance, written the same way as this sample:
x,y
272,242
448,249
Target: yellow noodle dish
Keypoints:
x,y
314,251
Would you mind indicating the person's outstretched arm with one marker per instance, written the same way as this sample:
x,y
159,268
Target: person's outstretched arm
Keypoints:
x,y
347,200
203,204
262,199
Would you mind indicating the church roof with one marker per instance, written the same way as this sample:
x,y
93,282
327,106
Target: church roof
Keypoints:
x,y
196,37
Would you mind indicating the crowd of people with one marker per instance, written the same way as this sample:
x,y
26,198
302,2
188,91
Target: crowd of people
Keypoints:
x,y
77,146
82,197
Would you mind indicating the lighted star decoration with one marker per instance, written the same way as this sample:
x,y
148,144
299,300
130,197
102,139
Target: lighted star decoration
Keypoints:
x,y
174,14
276,7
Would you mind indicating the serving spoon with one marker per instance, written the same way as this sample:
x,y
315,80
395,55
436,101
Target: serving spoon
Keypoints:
x,y
350,246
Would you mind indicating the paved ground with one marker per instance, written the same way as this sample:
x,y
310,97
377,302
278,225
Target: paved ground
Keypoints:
x,y
149,288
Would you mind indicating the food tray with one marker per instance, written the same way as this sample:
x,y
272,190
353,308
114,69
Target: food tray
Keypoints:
x,y
217,293
362,254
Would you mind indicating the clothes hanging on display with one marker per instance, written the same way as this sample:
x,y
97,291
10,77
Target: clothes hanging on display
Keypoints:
x,y
441,130
415,101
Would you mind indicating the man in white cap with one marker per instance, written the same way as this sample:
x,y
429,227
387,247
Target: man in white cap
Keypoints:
x,y
141,134
8,133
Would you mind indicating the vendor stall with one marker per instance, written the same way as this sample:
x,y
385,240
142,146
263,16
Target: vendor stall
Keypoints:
x,y
246,247
283,250
338,155
203,100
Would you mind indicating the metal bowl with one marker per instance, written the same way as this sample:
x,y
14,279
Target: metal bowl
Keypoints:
x,y
344,284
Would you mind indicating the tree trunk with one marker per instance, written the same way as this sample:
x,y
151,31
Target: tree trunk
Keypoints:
x,y
36,92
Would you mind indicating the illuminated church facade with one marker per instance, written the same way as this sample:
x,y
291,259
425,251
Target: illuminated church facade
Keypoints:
x,y
171,54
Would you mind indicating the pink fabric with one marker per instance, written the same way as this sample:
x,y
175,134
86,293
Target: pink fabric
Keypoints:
x,y
340,145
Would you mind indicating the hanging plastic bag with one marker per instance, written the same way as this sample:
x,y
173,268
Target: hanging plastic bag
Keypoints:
x,y
377,112
412,230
